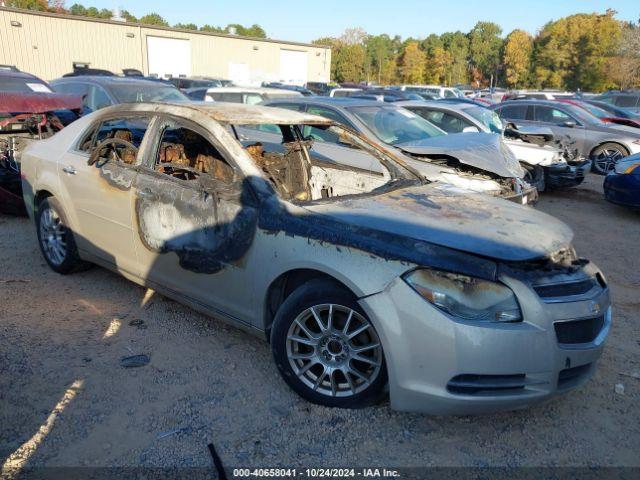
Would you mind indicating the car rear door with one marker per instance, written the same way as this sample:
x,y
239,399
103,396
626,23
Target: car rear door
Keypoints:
x,y
565,127
195,218
101,193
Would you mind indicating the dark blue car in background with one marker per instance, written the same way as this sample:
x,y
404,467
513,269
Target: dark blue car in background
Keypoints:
x,y
622,185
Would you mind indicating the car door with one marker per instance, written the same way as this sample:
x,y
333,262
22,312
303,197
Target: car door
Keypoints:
x,y
195,218
565,127
101,192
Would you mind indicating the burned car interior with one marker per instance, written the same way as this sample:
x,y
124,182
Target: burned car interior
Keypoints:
x,y
301,161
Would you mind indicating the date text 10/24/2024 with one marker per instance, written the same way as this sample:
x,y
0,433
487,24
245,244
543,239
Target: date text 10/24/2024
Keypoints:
x,y
315,473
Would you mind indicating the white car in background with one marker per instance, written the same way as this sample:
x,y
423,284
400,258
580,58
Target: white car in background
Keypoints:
x,y
344,92
436,90
248,95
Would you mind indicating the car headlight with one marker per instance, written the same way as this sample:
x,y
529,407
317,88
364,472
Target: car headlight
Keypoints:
x,y
466,297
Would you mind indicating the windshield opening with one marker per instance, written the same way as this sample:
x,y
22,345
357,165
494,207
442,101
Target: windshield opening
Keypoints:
x,y
315,162
147,93
488,118
396,125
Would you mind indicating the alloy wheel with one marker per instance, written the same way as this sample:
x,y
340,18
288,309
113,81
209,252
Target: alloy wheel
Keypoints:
x,y
334,350
52,236
606,159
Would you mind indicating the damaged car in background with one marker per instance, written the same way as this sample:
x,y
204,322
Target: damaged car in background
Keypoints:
x,y
548,162
479,162
363,280
25,117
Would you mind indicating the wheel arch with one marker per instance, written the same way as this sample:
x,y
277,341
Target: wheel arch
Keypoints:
x,y
614,142
285,283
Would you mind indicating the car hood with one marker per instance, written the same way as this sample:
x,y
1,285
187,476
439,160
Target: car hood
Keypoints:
x,y
18,102
450,217
485,151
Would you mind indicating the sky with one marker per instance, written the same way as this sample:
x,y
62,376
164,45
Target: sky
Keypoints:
x,y
304,21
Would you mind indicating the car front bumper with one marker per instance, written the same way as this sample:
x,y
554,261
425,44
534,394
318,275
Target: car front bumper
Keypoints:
x,y
622,189
440,365
566,174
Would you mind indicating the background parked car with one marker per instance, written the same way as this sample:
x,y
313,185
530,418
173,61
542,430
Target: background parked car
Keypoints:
x,y
186,83
102,91
603,143
248,95
629,100
616,111
477,162
433,90
546,165
29,110
536,95
603,114
622,184
385,95
343,92
296,88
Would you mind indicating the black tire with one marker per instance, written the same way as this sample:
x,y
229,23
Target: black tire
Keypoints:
x,y
318,293
601,166
70,261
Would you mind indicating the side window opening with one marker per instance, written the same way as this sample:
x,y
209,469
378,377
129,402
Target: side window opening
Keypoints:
x,y
117,140
301,169
186,155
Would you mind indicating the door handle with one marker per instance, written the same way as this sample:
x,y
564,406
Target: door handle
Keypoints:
x,y
70,170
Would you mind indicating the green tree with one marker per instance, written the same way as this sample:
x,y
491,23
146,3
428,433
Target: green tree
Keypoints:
x,y
154,19
128,16
39,5
518,49
457,45
438,59
77,9
350,62
484,48
624,67
382,51
575,51
412,63
186,26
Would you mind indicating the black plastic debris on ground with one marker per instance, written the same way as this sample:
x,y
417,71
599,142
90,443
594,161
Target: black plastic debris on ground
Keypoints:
x,y
134,361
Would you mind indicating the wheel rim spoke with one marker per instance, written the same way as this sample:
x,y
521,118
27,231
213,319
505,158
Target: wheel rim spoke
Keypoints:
x,y
321,349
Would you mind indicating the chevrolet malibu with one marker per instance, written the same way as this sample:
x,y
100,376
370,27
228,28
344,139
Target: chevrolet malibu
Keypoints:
x,y
365,281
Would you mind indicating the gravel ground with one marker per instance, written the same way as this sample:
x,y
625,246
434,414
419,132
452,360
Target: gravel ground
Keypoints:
x,y
207,382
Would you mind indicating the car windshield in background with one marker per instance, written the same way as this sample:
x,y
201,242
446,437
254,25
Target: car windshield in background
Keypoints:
x,y
144,93
597,111
395,125
487,117
22,85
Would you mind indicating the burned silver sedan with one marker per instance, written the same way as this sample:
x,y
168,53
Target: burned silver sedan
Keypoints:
x,y
364,280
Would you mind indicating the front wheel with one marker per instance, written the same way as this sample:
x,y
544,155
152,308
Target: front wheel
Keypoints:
x,y
56,240
326,348
606,156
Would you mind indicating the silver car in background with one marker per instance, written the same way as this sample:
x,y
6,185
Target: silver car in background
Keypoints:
x,y
479,162
603,143
547,162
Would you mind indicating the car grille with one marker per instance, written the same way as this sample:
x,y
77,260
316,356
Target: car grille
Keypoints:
x,y
579,331
569,289
469,384
571,376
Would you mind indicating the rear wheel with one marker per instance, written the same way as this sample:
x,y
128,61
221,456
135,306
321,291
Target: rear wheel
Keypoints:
x,y
326,348
56,240
605,157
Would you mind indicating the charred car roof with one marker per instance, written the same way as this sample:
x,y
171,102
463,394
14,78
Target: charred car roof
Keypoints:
x,y
229,113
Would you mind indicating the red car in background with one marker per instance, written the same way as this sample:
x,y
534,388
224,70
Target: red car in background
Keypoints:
x,y
601,113
29,110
